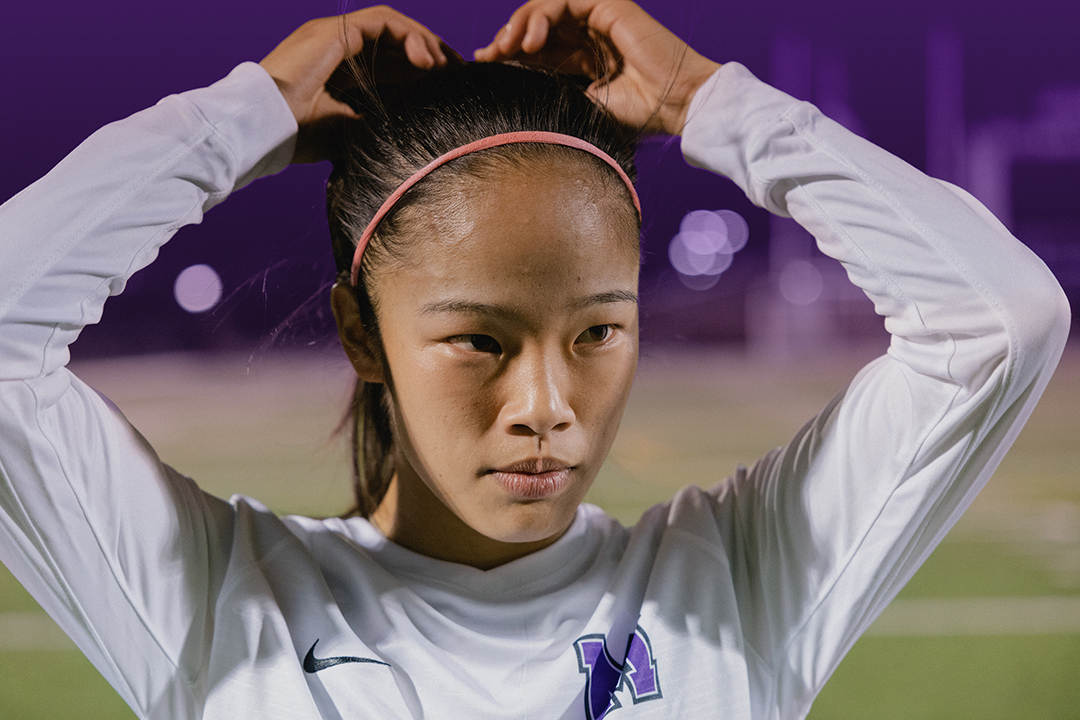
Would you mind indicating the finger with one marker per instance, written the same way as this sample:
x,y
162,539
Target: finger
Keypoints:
x,y
536,33
487,53
438,49
507,40
490,52
423,48
419,53
327,106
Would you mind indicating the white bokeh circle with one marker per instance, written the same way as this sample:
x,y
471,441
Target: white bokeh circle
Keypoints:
x,y
800,282
705,245
197,288
738,232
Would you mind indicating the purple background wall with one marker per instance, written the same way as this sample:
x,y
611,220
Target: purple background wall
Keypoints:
x,y
996,74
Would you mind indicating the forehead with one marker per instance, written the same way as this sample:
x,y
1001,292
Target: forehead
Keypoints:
x,y
541,226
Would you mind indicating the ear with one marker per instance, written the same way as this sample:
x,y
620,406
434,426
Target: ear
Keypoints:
x,y
360,347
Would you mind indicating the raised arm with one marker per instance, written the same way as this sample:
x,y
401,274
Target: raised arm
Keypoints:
x,y
125,553
119,549
831,526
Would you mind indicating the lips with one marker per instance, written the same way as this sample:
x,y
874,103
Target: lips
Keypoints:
x,y
533,479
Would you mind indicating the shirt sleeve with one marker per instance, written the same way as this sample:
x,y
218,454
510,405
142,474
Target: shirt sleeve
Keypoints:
x,y
121,550
826,530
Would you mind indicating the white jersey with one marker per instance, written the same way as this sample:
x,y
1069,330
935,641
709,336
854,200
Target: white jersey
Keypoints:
x,y
733,602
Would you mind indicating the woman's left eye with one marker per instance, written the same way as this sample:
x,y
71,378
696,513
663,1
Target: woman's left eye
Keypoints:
x,y
595,334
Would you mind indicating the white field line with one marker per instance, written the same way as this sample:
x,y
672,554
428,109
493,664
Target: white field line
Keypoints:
x,y
923,617
979,616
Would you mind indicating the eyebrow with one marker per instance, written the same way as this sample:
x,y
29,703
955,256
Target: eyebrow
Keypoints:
x,y
604,298
502,311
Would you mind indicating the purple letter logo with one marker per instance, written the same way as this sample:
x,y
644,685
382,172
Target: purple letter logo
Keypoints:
x,y
604,676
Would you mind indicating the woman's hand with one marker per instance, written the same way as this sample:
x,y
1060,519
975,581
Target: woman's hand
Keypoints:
x,y
305,61
641,71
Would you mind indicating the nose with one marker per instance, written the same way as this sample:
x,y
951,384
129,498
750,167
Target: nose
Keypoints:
x,y
537,395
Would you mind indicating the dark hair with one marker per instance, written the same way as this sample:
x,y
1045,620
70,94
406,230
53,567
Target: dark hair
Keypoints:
x,y
401,129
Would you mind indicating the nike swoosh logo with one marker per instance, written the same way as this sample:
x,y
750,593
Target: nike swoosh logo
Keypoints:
x,y
313,664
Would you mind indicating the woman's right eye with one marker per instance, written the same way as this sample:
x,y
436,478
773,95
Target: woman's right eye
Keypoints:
x,y
478,343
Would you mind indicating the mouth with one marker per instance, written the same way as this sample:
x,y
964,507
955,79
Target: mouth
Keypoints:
x,y
533,479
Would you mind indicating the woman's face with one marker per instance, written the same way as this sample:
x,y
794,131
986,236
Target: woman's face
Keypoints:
x,y
511,335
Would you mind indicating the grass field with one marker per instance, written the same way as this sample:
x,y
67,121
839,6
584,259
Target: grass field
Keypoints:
x,y
989,628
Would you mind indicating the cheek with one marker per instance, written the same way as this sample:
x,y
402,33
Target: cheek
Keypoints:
x,y
602,394
441,404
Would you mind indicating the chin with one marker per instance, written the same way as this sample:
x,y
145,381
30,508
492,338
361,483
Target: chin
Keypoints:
x,y
529,524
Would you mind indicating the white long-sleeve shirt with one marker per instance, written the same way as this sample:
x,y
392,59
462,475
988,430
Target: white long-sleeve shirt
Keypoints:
x,y
733,602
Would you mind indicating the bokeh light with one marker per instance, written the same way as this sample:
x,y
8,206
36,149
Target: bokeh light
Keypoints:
x,y
198,288
800,282
705,246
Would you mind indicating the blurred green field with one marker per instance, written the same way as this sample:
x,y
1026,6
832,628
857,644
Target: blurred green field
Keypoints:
x,y
264,428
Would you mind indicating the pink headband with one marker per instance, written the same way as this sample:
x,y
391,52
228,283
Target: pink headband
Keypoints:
x,y
536,136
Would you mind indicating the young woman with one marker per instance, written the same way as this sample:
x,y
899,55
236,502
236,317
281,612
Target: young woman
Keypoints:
x,y
485,226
